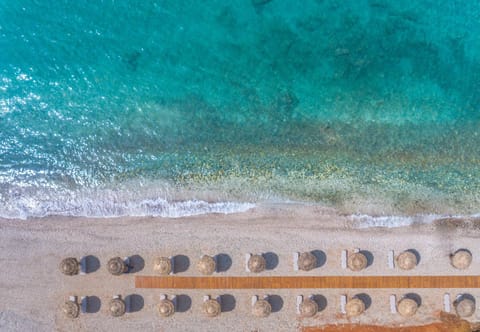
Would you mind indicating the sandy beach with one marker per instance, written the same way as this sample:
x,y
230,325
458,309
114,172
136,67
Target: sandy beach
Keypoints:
x,y
34,289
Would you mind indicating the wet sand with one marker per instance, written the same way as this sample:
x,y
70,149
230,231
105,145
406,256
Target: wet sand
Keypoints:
x,y
33,289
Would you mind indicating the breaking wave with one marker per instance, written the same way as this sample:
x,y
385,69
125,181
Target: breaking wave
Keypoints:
x,y
110,204
366,221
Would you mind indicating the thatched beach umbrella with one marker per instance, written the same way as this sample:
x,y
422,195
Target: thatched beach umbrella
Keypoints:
x,y
261,308
69,266
461,259
206,265
257,263
117,307
211,308
117,266
162,265
355,307
71,309
465,307
407,260
357,261
307,261
407,307
166,308
308,308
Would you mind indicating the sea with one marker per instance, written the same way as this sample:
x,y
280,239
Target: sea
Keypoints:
x,y
180,107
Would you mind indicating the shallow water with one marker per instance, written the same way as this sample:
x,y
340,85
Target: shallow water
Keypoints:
x,y
368,106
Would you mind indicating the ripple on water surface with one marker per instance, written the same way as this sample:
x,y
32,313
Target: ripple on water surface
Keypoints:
x,y
371,107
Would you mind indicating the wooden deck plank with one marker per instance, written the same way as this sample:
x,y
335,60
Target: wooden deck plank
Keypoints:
x,y
278,282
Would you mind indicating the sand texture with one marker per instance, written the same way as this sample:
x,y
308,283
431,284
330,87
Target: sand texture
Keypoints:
x,y
33,289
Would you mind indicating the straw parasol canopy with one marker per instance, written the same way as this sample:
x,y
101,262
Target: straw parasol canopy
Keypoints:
x,y
162,265
407,307
357,261
461,259
262,308
69,266
206,265
117,307
117,266
71,309
465,307
211,308
308,308
307,261
257,263
407,260
166,308
355,307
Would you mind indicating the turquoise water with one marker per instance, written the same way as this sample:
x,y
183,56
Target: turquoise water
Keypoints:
x,y
177,107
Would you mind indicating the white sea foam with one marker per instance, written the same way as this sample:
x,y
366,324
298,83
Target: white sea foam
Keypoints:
x,y
367,221
109,204
154,208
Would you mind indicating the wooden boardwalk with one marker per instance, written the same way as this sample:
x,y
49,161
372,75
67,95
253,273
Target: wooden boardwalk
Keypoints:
x,y
177,282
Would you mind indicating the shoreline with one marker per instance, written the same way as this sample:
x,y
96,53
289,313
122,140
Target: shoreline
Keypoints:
x,y
177,210
34,289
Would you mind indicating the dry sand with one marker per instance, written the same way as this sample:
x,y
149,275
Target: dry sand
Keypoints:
x,y
33,289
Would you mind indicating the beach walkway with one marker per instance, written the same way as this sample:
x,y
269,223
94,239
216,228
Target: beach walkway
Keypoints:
x,y
303,282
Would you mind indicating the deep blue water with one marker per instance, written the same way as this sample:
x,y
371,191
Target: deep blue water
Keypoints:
x,y
123,107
